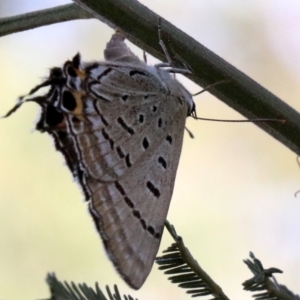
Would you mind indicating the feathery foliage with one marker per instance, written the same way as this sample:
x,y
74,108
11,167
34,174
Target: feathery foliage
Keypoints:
x,y
185,271
264,281
66,291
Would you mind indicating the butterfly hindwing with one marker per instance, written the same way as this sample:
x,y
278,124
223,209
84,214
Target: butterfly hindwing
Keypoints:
x,y
119,124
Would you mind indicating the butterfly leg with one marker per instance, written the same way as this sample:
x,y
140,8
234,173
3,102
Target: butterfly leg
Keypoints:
x,y
162,44
169,63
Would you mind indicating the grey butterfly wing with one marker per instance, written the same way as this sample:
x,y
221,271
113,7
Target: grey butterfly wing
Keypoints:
x,y
129,158
132,210
128,147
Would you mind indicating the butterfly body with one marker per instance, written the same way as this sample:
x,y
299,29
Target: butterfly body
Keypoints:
x,y
119,124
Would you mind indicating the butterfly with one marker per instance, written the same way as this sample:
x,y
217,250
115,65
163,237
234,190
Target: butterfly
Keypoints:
x,y
119,125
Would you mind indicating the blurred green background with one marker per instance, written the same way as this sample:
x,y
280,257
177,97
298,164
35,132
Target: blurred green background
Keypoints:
x,y
235,184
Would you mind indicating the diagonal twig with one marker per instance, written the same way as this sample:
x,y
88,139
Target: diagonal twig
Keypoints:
x,y
242,93
40,18
140,26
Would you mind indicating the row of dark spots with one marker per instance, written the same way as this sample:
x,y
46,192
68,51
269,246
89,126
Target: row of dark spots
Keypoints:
x,y
107,137
135,212
125,126
149,228
161,160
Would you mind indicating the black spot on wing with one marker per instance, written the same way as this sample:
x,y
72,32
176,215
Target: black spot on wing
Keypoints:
x,y
169,139
141,118
143,222
125,97
120,152
155,191
145,143
162,161
159,122
120,188
151,230
137,214
129,202
127,161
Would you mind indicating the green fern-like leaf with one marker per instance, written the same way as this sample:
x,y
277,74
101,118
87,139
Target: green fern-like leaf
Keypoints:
x,y
66,291
265,281
185,271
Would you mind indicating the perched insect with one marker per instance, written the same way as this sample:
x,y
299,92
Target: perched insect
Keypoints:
x,y
119,125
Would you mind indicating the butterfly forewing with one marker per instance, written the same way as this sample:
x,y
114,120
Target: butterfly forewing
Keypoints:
x,y
130,212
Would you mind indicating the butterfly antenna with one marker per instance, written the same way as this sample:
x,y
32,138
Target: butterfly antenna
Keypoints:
x,y
211,86
21,100
56,77
145,56
162,44
258,120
